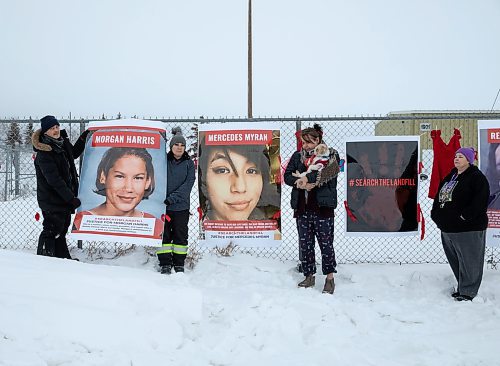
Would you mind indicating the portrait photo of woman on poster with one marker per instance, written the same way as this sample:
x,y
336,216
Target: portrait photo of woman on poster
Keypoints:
x,y
124,183
493,175
125,176
235,183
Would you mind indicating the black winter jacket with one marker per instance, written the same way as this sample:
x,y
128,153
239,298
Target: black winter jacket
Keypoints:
x,y
180,180
56,176
466,211
326,193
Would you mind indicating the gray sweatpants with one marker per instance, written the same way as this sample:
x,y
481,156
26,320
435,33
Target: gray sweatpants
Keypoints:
x,y
465,254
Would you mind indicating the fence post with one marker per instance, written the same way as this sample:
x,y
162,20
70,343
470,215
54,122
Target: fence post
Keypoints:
x,y
298,127
6,182
17,170
80,159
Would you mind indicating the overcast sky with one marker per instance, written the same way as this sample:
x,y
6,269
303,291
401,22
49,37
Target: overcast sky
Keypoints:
x,y
188,58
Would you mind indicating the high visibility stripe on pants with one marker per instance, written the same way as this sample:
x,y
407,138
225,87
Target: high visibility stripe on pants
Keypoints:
x,y
179,248
172,248
165,248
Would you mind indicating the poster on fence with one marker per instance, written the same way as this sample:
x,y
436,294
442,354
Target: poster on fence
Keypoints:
x,y
489,163
239,183
123,183
382,186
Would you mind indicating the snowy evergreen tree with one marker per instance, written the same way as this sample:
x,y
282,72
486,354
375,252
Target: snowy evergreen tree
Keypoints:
x,y
13,135
28,133
193,148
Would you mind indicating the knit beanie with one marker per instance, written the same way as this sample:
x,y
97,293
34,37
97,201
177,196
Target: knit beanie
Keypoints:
x,y
468,152
177,132
48,122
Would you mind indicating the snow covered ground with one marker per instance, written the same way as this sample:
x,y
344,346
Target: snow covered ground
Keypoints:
x,y
238,310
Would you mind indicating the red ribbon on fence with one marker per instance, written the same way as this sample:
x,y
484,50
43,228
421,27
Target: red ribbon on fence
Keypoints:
x,y
421,220
298,135
420,167
200,213
349,212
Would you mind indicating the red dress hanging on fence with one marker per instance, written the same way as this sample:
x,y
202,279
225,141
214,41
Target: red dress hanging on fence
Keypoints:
x,y
443,158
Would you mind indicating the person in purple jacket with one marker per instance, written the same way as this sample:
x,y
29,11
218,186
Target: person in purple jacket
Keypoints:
x,y
459,211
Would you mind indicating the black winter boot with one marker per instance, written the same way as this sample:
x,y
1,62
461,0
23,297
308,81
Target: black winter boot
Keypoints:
x,y
463,298
179,269
309,281
329,286
167,269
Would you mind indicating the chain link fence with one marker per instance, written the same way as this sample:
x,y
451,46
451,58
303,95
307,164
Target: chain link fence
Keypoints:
x,y
19,228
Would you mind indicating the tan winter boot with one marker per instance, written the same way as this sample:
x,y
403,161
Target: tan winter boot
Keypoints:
x,y
329,286
309,281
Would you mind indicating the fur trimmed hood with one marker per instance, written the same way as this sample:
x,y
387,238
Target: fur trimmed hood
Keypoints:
x,y
37,145
41,146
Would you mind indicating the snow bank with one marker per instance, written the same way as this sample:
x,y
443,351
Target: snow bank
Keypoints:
x,y
240,310
60,308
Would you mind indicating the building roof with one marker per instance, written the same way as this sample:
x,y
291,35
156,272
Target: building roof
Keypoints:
x,y
445,112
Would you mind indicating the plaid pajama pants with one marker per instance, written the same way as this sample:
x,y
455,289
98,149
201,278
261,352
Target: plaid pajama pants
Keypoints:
x,y
311,225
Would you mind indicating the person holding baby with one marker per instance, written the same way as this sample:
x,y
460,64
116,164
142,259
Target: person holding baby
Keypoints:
x,y
314,199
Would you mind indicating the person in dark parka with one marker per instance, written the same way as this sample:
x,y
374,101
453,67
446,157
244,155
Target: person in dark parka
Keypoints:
x,y
180,181
314,199
459,211
57,184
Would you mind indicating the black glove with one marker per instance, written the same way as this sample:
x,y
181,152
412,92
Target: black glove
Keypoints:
x,y
84,134
75,203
